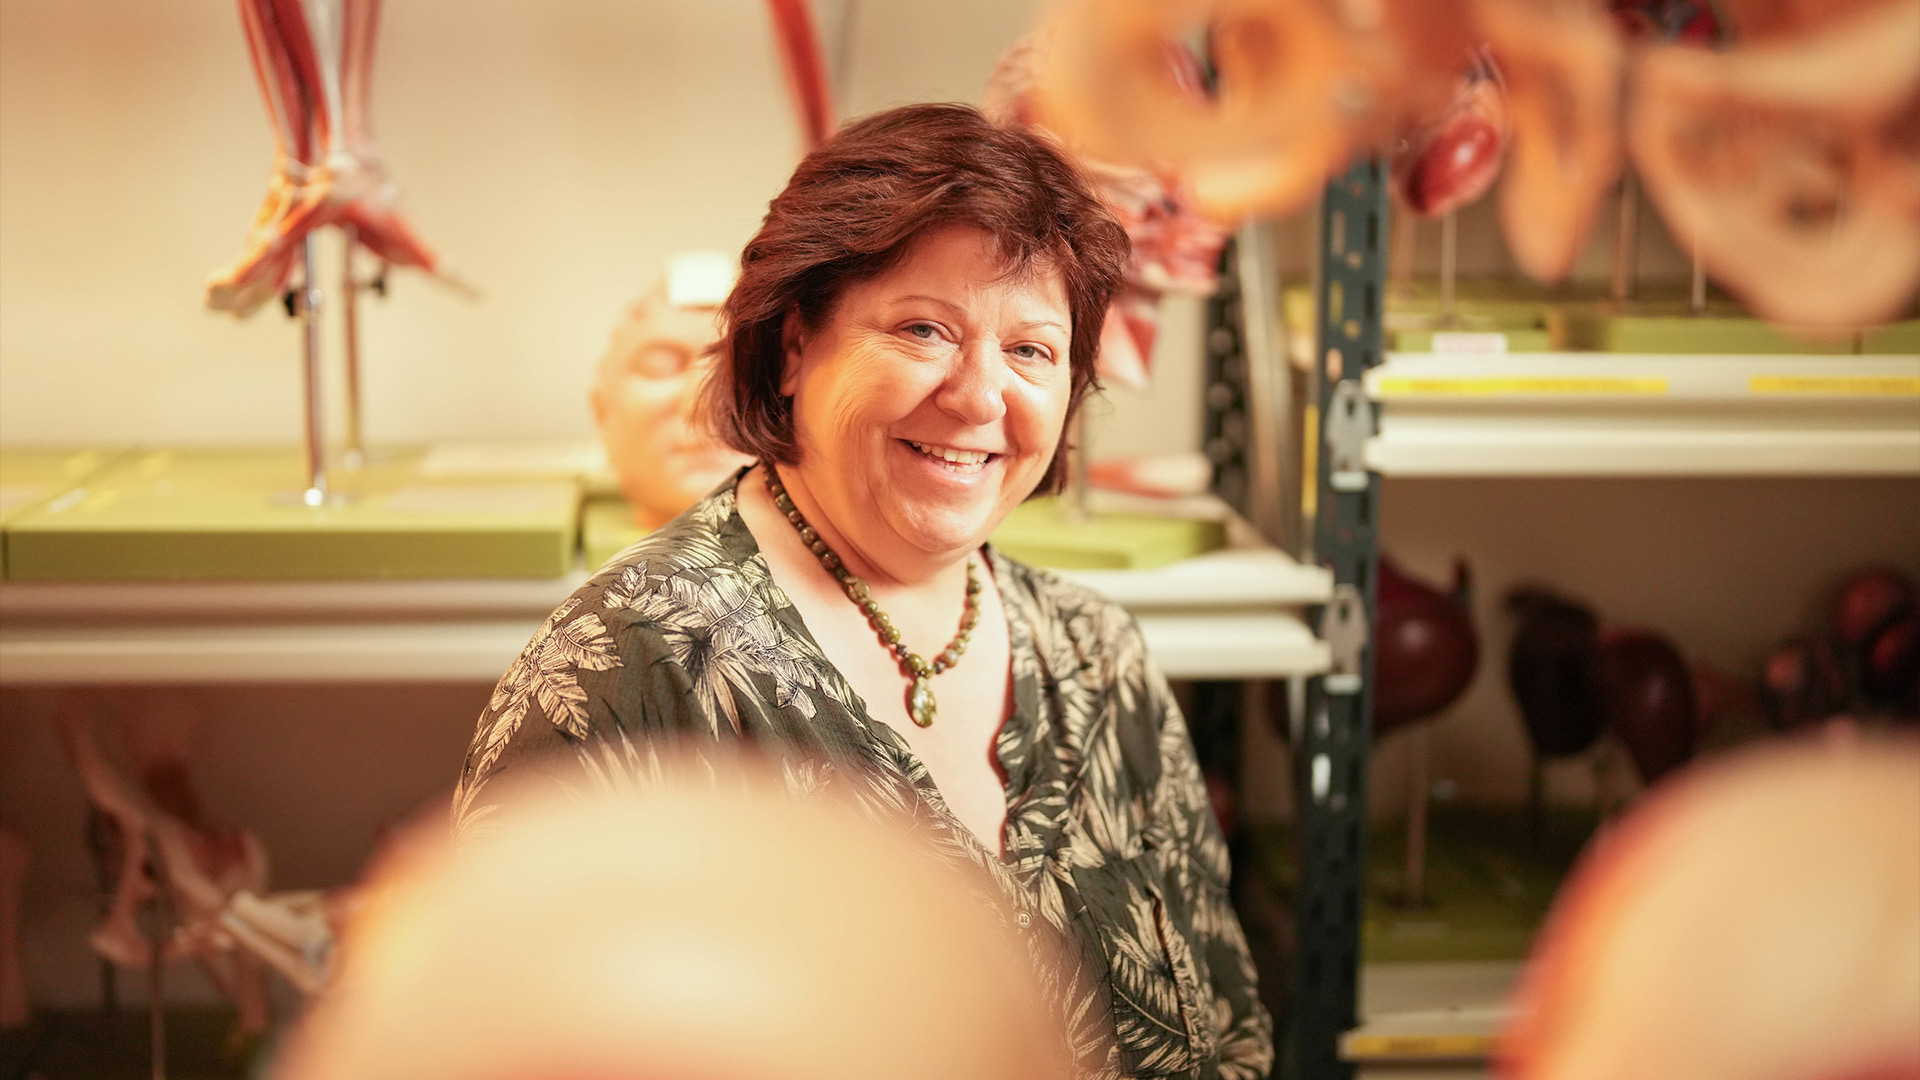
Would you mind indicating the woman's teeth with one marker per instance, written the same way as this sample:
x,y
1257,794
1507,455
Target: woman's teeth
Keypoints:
x,y
967,460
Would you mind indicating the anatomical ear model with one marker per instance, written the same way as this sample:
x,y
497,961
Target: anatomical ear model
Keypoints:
x,y
1791,161
166,845
1175,248
635,938
1756,919
13,980
648,382
314,62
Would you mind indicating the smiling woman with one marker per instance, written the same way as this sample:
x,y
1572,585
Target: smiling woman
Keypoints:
x,y
911,330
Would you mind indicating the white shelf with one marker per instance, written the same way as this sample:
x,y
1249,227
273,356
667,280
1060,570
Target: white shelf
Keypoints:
x,y
1230,614
1572,414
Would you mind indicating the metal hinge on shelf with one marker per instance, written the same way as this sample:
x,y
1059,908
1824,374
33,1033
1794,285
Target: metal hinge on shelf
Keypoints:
x,y
1349,424
1343,626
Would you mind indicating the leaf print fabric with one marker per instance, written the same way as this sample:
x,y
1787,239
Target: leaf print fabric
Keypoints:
x,y
1114,871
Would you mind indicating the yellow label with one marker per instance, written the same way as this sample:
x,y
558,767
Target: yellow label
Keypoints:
x,y
1522,385
1403,1047
1844,385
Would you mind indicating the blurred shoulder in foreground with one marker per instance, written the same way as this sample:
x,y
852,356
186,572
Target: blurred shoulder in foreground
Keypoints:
x,y
1757,918
706,929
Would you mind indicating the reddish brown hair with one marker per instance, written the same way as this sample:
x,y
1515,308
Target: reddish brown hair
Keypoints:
x,y
857,205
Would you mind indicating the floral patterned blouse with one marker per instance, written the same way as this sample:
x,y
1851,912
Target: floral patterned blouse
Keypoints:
x,y
1114,871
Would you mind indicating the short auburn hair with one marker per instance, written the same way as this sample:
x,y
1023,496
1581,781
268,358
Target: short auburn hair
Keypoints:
x,y
856,206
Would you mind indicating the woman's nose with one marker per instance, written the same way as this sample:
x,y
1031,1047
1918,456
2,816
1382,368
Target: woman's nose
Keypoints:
x,y
972,392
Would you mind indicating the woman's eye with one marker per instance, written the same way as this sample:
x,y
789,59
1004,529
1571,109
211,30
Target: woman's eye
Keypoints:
x,y
1029,352
924,331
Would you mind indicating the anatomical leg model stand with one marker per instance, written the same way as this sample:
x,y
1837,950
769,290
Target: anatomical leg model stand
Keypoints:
x,y
166,846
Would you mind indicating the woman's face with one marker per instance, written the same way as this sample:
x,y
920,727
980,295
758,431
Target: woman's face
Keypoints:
x,y
930,403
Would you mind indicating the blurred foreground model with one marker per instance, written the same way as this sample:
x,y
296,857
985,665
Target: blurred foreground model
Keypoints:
x,y
695,930
1756,919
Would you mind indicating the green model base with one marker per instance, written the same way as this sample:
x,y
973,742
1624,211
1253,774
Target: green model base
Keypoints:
x,y
607,528
1490,880
226,514
1901,338
1039,532
1668,328
31,477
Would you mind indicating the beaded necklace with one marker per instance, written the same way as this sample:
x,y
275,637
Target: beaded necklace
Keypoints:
x,y
920,703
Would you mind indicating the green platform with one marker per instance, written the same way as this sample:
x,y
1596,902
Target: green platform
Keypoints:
x,y
32,476
606,529
1040,532
1897,338
225,513
1490,881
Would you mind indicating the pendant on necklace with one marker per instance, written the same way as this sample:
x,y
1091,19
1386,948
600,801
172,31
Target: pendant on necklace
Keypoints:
x,y
920,702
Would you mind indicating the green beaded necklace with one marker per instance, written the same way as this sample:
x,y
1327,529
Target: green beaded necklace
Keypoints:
x,y
920,703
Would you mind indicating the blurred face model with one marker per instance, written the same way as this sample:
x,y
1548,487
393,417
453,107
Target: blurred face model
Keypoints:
x,y
930,402
642,402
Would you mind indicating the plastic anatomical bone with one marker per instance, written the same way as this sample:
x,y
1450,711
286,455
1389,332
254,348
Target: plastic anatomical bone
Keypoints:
x,y
1756,919
1792,162
644,395
637,939
166,845
1174,248
13,981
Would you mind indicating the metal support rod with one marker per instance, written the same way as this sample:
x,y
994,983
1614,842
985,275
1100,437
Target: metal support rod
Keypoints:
x,y
309,306
1079,482
1626,240
1417,797
1699,284
1449,263
355,455
156,978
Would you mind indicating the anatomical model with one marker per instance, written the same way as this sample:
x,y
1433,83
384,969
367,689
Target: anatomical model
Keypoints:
x,y
314,63
1791,161
13,981
165,842
636,938
1758,918
1175,248
644,394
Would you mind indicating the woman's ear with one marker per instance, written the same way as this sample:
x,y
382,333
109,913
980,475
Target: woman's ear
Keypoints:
x,y
793,343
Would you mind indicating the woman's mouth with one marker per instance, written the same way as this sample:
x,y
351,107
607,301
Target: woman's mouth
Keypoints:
x,y
952,458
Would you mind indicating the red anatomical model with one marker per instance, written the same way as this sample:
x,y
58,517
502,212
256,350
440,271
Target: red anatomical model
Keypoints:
x,y
1553,670
1452,160
1801,683
1425,649
1646,697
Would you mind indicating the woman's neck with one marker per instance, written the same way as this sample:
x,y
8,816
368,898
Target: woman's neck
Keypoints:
x,y
885,572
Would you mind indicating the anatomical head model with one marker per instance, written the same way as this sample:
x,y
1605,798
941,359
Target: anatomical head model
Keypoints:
x,y
693,931
1757,918
644,394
